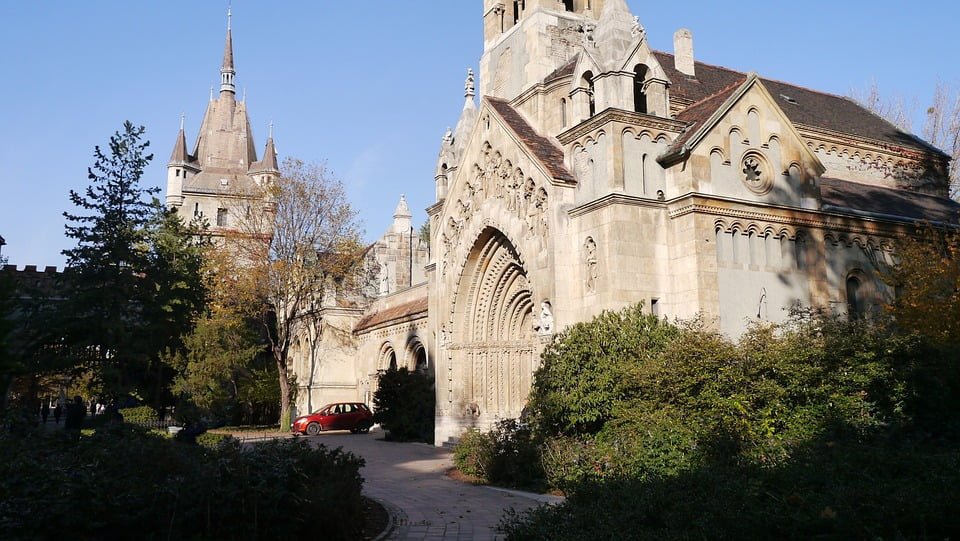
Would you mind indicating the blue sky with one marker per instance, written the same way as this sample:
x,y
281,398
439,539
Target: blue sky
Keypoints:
x,y
369,86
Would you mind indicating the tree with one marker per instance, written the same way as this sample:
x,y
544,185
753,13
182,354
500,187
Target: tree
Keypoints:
x,y
941,125
299,242
132,284
942,129
926,278
405,403
103,322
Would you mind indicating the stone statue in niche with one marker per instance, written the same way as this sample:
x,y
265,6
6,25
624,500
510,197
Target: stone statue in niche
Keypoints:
x,y
544,324
530,205
513,191
590,258
541,227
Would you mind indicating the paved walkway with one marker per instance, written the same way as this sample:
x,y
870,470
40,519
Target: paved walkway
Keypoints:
x,y
410,479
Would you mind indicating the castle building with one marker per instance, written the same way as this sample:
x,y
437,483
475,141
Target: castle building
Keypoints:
x,y
222,175
593,173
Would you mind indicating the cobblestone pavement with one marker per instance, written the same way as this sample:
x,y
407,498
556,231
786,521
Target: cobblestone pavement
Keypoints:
x,y
410,480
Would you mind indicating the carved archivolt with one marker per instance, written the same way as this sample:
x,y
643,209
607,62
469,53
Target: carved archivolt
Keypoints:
x,y
495,177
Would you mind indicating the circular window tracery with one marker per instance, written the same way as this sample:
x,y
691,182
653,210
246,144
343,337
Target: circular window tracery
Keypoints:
x,y
756,173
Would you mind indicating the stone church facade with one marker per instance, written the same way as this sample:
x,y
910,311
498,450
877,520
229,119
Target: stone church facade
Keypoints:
x,y
589,172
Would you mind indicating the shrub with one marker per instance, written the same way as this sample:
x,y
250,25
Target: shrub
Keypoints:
x,y
818,428
404,405
140,415
122,480
588,370
473,453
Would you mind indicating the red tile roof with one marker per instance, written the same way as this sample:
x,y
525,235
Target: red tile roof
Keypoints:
x,y
396,313
549,154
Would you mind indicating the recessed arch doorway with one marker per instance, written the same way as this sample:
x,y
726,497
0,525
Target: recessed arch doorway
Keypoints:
x,y
492,343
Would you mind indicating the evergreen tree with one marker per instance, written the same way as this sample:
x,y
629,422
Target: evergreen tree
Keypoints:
x,y
102,323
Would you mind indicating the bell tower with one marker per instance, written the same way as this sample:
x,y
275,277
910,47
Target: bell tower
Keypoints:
x,y
526,40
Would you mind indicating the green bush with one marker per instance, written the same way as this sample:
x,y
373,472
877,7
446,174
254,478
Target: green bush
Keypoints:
x,y
588,370
404,405
473,453
140,415
124,482
212,440
817,428
505,456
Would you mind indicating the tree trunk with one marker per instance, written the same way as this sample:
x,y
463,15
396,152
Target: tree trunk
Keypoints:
x,y
284,376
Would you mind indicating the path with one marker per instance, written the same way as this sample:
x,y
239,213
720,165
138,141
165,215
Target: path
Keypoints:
x,y
410,479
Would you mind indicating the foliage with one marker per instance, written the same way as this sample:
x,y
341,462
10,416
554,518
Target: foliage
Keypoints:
x,y
404,404
140,415
222,369
474,452
586,372
505,456
162,489
133,286
927,280
817,427
102,319
300,242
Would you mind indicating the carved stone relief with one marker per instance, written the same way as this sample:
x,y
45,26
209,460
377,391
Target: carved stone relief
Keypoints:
x,y
590,260
498,179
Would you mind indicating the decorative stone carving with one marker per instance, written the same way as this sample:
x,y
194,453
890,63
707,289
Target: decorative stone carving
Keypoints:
x,y
497,179
544,324
590,259
756,173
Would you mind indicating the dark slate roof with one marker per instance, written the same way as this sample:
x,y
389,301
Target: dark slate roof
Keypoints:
x,y
888,202
401,311
565,69
549,154
801,105
697,113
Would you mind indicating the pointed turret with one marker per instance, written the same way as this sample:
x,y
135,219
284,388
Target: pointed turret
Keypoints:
x,y
468,117
615,32
179,154
402,219
267,169
227,72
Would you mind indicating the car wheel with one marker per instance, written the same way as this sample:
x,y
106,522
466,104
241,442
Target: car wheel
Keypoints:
x,y
313,429
363,428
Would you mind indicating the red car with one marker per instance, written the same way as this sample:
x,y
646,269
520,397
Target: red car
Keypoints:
x,y
353,416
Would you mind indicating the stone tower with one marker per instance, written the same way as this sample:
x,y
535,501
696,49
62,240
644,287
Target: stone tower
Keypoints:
x,y
223,165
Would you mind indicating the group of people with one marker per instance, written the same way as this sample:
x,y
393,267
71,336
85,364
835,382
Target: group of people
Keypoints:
x,y
77,406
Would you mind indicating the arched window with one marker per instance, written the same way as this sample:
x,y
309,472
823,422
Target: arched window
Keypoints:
x,y
588,80
568,5
393,360
563,112
421,355
639,97
855,304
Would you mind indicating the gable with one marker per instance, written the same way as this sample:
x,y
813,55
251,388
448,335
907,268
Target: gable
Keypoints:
x,y
742,145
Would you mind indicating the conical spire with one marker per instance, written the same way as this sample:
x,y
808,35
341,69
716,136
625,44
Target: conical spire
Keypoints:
x,y
226,70
402,210
468,116
270,153
402,222
179,154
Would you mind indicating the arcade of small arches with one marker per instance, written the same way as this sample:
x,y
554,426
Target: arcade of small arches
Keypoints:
x,y
413,356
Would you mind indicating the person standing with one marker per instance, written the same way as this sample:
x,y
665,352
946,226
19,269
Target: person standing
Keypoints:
x,y
57,412
74,420
45,410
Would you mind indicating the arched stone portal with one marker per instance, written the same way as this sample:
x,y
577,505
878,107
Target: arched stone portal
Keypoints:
x,y
491,344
